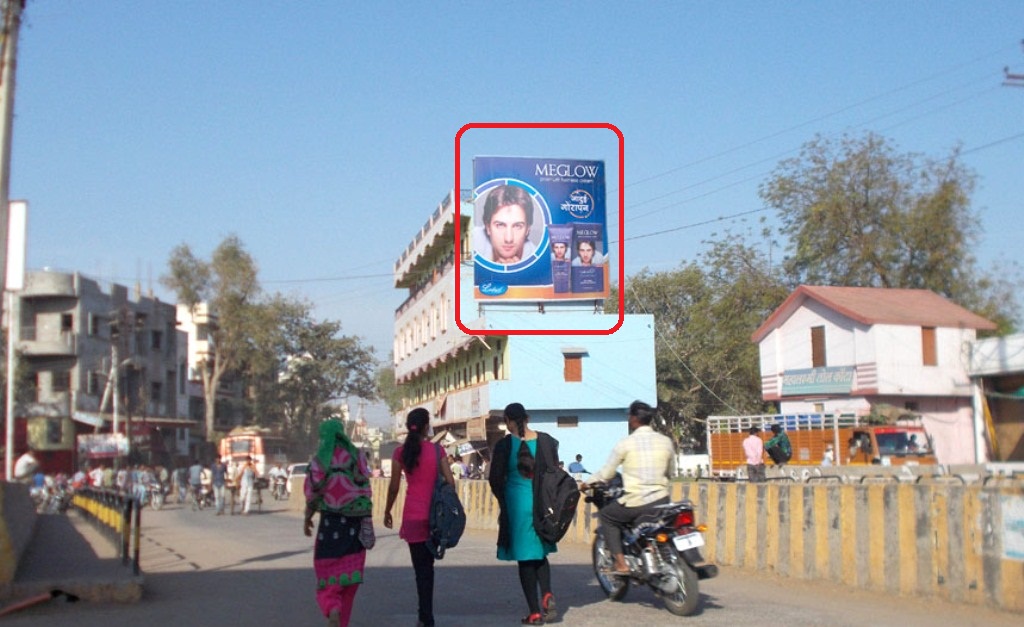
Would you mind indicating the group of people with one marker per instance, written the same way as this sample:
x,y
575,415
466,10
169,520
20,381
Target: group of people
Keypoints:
x,y
338,487
217,479
754,449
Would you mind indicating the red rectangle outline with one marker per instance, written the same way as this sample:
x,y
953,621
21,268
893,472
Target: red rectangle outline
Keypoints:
x,y
458,226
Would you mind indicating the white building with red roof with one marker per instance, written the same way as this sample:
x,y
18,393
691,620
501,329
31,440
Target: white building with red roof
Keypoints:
x,y
848,349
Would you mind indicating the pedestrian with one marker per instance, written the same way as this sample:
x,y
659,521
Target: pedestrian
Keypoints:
x,y
219,478
456,467
576,468
195,479
245,479
338,486
753,448
829,457
421,461
518,462
779,447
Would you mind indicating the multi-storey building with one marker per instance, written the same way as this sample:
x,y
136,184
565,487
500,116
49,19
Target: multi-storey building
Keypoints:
x,y
96,357
576,387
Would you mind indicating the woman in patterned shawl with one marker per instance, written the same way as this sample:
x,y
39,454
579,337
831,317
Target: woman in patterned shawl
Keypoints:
x,y
338,486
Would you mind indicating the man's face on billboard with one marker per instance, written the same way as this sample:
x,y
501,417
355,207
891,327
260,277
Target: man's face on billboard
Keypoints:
x,y
507,231
586,250
558,248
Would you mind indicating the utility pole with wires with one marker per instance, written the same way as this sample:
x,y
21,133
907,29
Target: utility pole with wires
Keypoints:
x,y
1013,80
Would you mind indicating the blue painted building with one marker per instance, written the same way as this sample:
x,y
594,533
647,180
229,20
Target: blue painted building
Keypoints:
x,y
575,387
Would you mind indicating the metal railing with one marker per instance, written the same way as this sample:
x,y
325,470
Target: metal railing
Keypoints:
x,y
118,515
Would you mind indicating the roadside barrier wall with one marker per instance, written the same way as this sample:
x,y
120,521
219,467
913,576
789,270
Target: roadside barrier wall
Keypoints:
x,y
17,526
963,543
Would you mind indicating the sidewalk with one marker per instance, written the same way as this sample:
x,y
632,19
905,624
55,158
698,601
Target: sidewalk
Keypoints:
x,y
68,554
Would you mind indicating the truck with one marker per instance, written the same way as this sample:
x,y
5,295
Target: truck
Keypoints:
x,y
855,442
264,447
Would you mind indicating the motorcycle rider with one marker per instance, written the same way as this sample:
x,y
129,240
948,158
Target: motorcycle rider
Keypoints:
x,y
648,462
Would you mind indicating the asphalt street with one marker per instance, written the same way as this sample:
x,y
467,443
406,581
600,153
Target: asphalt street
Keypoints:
x,y
202,569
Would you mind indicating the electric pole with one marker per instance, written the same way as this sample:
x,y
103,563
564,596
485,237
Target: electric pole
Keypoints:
x,y
8,63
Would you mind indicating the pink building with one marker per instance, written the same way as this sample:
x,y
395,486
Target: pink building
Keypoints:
x,y
848,349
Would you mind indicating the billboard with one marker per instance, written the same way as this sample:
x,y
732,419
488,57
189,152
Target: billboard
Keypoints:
x,y
539,229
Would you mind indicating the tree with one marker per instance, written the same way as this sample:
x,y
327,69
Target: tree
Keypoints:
x,y
228,285
318,368
858,213
387,389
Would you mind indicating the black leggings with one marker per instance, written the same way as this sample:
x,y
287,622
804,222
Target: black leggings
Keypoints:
x,y
423,565
534,573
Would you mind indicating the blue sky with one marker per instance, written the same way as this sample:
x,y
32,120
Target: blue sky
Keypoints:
x,y
322,133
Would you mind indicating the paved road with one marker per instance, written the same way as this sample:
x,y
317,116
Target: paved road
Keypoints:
x,y
202,569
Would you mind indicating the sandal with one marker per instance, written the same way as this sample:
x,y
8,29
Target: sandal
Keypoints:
x,y
549,607
533,619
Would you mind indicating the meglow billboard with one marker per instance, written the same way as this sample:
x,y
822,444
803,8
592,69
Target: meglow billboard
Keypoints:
x,y
539,229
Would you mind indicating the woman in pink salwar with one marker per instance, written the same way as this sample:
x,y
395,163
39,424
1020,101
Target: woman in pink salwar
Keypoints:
x,y
418,459
338,486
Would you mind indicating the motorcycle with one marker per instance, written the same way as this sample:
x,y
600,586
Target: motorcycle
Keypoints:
x,y
279,489
156,494
662,550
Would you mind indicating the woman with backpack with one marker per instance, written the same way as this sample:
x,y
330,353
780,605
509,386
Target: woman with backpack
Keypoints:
x,y
518,461
338,486
420,461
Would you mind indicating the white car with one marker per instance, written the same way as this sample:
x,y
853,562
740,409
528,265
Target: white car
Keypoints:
x,y
296,470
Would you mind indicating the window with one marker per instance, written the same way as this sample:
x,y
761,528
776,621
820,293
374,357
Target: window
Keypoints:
x,y
156,340
94,386
60,381
573,370
156,390
202,332
54,431
568,421
496,362
67,322
818,347
95,323
929,356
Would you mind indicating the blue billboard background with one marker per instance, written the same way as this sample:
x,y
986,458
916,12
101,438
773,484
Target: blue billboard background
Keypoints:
x,y
564,192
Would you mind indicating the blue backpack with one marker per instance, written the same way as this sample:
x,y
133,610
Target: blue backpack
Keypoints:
x,y
447,516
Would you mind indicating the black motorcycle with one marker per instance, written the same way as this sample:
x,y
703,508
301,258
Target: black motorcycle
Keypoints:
x,y
662,550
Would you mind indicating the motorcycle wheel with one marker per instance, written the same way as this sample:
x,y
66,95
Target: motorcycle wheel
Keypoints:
x,y
157,500
684,600
614,587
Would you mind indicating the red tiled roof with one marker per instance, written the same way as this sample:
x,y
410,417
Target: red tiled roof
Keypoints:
x,y
876,305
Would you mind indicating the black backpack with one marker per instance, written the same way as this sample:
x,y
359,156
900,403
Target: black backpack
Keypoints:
x,y
447,516
558,497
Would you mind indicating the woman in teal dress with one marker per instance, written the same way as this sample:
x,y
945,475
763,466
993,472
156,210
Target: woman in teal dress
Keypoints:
x,y
518,460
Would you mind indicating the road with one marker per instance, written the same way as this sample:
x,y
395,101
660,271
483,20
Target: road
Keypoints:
x,y
202,569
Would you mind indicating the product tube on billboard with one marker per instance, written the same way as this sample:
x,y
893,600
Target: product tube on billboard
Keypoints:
x,y
523,207
587,259
561,256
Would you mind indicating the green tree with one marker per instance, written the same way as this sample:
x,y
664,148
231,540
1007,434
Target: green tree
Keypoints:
x,y
856,212
319,368
228,284
387,389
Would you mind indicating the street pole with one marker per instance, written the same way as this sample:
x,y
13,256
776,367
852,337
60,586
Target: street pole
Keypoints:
x,y
8,63
14,280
